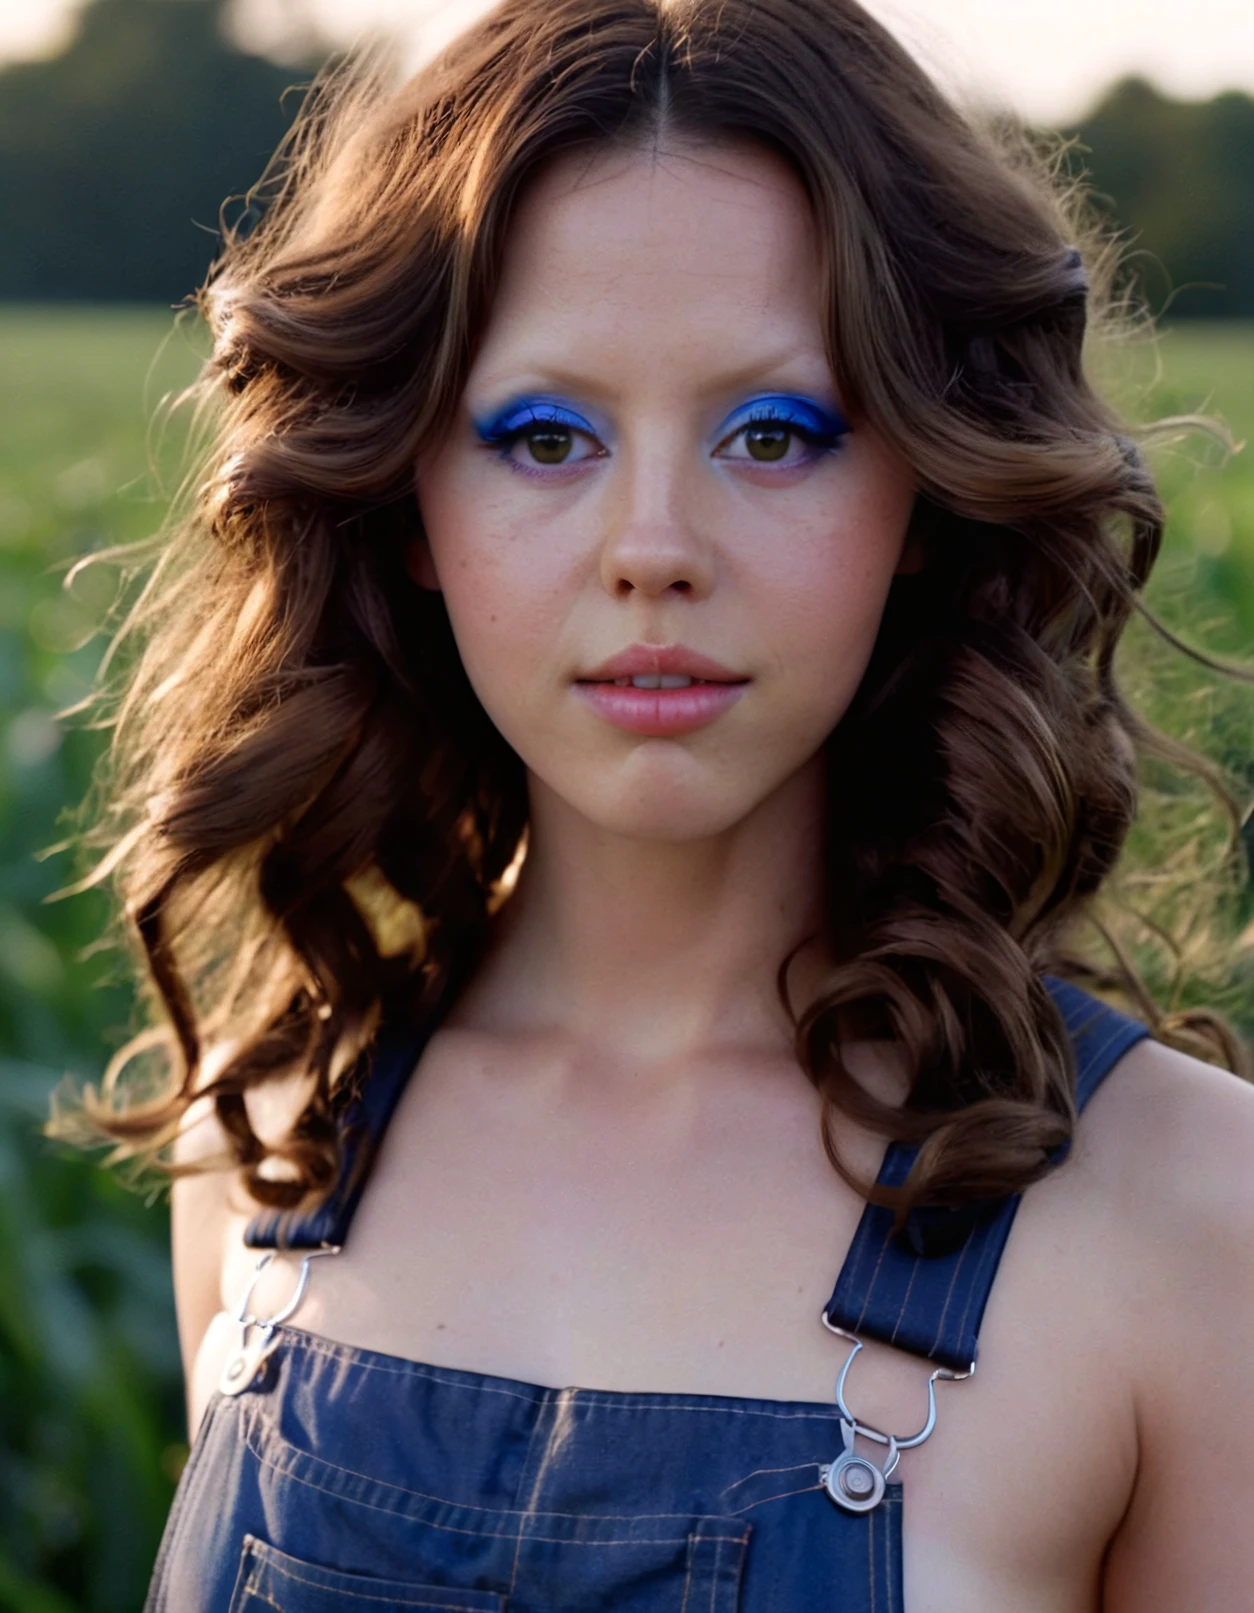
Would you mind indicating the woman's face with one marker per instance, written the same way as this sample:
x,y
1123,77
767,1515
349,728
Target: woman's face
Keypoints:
x,y
650,481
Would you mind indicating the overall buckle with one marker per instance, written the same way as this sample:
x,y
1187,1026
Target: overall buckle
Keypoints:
x,y
855,1481
247,1365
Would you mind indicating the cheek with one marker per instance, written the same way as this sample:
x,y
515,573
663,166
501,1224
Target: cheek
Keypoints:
x,y
826,587
500,588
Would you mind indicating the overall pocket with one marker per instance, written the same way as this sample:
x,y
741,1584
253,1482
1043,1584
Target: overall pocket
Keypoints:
x,y
269,1579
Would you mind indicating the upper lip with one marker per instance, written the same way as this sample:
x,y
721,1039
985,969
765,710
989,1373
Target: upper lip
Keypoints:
x,y
671,660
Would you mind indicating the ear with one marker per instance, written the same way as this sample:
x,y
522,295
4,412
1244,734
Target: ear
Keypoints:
x,y
420,564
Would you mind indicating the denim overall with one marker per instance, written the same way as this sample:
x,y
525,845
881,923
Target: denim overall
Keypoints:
x,y
326,1478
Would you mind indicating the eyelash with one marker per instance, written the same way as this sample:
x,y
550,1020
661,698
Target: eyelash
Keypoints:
x,y
502,442
825,441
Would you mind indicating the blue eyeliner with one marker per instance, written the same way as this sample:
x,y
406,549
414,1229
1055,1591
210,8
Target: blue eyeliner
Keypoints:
x,y
537,409
822,426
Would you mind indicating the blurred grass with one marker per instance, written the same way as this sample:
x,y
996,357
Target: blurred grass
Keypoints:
x,y
1191,935
91,1419
1208,552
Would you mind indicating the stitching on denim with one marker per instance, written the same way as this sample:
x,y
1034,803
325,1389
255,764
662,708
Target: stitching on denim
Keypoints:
x,y
608,1399
253,1589
531,1439
718,1552
977,1280
870,1555
688,1565
860,1249
940,1326
792,1467
354,1356
905,1301
981,1283
821,1414
292,1455
452,1529
870,1288
363,1596
555,1411
498,1534
805,1489
558,1417
1110,1042
1093,1055
890,1585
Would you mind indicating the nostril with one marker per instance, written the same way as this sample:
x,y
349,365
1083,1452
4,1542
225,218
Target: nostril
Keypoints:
x,y
628,583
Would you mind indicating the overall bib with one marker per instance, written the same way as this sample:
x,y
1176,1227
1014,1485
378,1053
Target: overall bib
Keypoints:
x,y
325,1478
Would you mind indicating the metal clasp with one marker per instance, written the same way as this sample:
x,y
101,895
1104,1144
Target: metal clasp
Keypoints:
x,y
854,1481
245,1367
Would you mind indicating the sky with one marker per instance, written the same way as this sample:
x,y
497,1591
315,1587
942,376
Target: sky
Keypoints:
x,y
1047,59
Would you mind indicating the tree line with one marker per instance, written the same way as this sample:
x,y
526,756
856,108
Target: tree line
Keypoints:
x,y
116,155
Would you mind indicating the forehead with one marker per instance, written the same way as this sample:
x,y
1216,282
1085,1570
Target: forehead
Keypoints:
x,y
671,251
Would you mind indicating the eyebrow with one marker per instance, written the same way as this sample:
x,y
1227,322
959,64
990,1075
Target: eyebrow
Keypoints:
x,y
556,377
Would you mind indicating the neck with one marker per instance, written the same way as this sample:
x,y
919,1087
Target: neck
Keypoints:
x,y
663,948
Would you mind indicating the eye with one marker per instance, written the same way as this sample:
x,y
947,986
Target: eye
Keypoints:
x,y
768,440
550,442
775,427
550,432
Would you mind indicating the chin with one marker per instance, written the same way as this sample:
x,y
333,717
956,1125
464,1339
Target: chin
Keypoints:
x,y
677,825
667,804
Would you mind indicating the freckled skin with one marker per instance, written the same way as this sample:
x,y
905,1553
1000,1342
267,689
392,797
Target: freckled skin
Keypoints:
x,y
615,310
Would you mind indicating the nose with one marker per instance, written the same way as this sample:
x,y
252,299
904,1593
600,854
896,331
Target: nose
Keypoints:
x,y
652,543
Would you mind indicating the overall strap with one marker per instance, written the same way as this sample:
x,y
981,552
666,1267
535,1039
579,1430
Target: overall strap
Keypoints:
x,y
379,1077
925,1289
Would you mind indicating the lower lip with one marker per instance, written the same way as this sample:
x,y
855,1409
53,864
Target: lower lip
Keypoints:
x,y
661,713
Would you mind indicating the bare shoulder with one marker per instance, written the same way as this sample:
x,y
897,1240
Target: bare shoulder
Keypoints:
x,y
1166,1148
1172,1140
1165,1154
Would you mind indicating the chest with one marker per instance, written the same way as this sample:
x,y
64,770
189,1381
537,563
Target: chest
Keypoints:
x,y
686,1248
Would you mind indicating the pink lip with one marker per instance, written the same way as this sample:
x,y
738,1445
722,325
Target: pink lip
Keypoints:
x,y
674,660
661,713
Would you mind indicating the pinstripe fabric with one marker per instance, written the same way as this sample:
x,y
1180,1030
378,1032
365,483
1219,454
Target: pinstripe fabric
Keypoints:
x,y
395,1053
932,1304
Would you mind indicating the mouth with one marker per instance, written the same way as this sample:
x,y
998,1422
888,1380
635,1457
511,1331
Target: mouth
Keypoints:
x,y
660,666
661,691
662,680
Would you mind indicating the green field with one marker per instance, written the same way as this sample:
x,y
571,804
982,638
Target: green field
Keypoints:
x,y
1209,548
90,1400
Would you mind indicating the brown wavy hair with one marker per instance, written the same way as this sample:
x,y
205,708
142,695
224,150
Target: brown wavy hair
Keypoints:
x,y
307,813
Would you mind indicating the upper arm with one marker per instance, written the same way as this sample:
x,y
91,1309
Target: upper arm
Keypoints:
x,y
201,1211
209,1210
1186,1540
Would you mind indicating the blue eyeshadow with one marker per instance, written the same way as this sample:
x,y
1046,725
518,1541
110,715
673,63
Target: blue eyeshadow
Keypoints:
x,y
518,413
821,424
789,408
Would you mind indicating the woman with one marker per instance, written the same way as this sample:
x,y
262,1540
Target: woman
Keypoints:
x,y
628,728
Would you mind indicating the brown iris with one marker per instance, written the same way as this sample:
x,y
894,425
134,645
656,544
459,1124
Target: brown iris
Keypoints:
x,y
549,444
767,441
